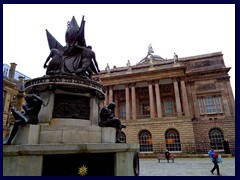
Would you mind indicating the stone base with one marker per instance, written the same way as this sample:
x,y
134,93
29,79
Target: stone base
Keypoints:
x,y
39,134
108,135
67,159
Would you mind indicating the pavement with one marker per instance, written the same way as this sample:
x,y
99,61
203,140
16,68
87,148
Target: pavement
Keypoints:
x,y
185,167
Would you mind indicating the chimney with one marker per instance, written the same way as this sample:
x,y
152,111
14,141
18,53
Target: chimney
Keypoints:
x,y
12,71
21,86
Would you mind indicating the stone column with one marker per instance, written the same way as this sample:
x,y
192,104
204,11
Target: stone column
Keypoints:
x,y
190,99
196,110
152,108
177,97
106,97
116,102
110,94
158,99
184,98
134,107
226,104
127,102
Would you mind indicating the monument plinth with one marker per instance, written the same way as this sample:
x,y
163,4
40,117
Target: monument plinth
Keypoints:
x,y
65,138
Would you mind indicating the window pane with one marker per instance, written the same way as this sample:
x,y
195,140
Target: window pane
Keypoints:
x,y
122,110
219,105
145,141
168,105
200,103
172,140
216,138
210,105
145,108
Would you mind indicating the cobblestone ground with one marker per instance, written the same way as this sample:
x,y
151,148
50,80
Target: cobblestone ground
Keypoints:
x,y
185,167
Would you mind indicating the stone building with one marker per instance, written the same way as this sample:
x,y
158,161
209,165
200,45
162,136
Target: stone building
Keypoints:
x,y
13,92
184,105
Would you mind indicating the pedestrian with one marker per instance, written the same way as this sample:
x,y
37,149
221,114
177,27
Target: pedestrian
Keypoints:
x,y
167,155
213,155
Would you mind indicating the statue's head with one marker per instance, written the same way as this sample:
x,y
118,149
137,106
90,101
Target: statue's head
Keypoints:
x,y
111,106
29,98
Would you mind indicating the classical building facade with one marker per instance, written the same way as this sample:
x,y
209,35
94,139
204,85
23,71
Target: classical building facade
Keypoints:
x,y
13,93
184,105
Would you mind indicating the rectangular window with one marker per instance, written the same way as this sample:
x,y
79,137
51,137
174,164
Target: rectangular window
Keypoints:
x,y
210,105
145,108
168,106
122,93
122,109
5,71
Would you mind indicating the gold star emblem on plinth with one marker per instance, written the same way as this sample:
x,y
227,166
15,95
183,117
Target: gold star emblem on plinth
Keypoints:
x,y
82,171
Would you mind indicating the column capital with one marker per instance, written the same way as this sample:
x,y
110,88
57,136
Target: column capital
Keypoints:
x,y
110,86
156,81
132,84
150,82
182,78
126,85
175,79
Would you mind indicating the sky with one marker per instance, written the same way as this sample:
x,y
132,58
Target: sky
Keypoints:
x,y
119,32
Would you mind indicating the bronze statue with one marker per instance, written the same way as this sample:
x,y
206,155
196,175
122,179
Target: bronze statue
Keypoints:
x,y
107,119
75,58
54,66
88,61
29,115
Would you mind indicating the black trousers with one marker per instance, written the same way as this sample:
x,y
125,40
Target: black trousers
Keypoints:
x,y
216,166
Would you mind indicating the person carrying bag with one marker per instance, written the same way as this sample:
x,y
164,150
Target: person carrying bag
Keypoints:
x,y
214,157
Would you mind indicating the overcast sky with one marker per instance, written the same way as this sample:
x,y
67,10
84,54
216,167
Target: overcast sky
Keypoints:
x,y
119,33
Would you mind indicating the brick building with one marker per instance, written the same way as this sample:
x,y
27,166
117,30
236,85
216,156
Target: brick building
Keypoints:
x,y
13,93
183,104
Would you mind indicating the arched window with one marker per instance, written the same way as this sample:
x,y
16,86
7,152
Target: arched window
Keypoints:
x,y
216,138
123,137
172,140
145,141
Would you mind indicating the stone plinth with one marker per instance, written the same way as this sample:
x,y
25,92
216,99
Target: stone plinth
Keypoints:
x,y
68,97
108,135
67,136
23,157
47,134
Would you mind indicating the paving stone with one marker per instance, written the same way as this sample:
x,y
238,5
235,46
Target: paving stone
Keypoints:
x,y
185,167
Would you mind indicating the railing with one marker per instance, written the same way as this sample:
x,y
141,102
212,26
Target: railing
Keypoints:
x,y
189,148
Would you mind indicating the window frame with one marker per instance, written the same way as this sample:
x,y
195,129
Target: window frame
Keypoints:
x,y
174,135
210,104
166,100
145,141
